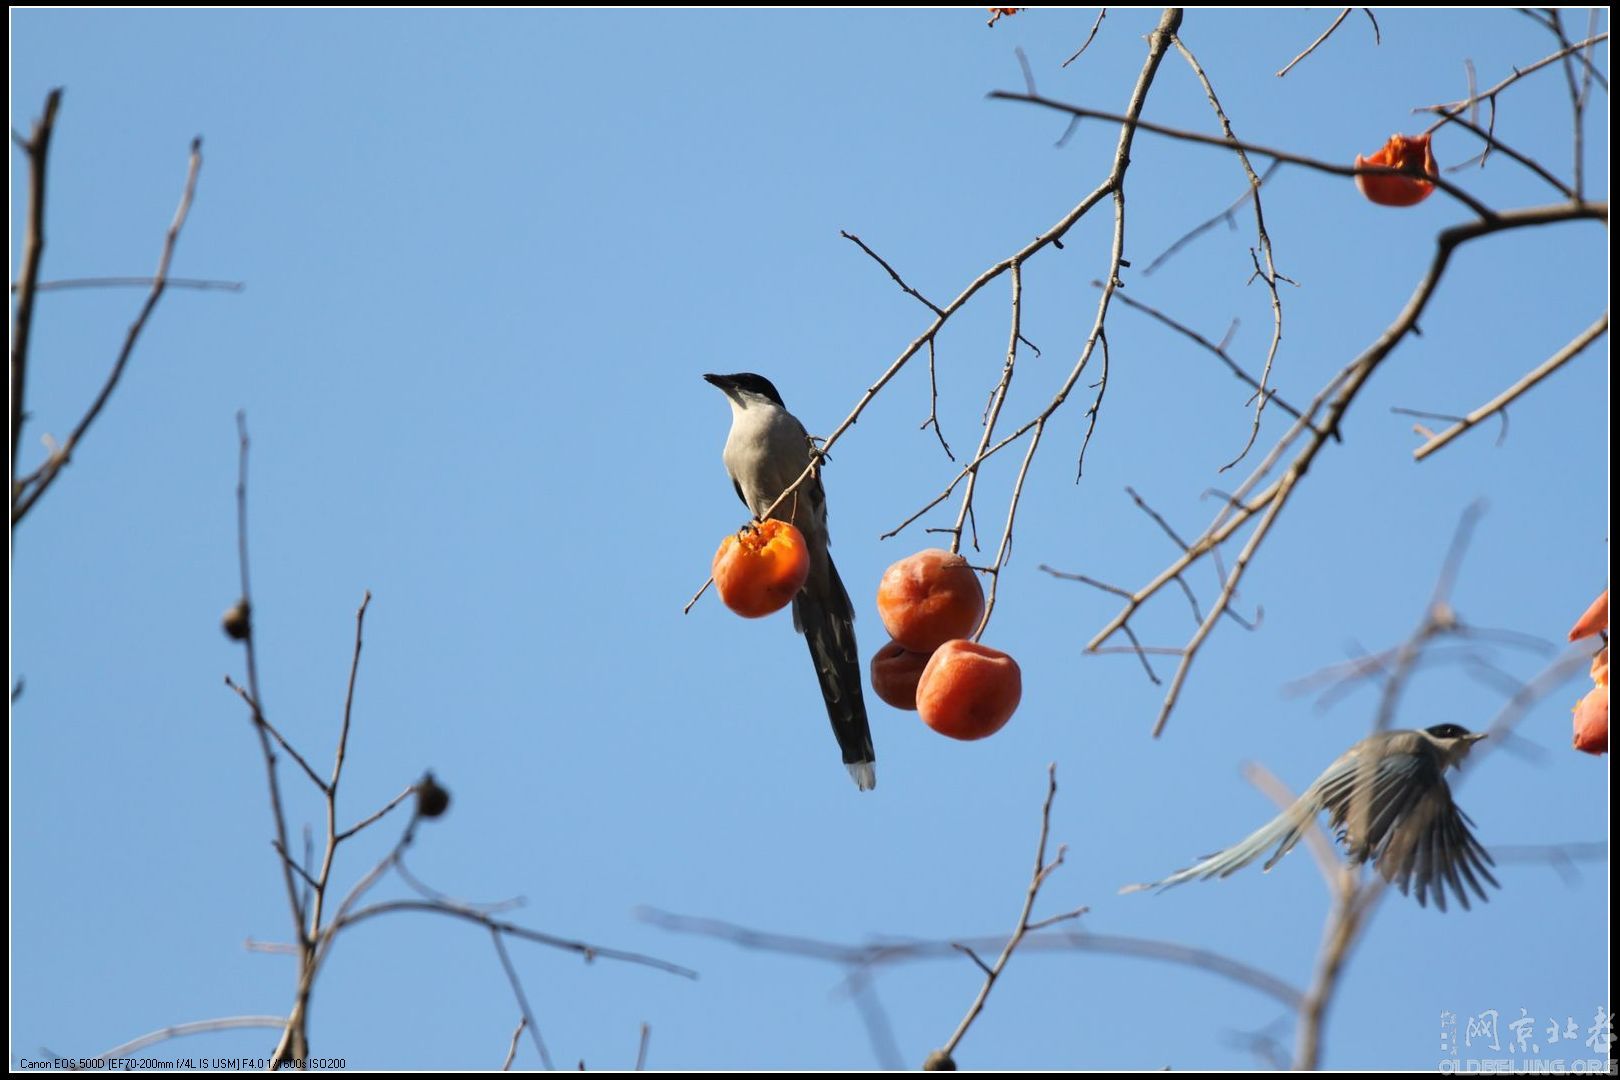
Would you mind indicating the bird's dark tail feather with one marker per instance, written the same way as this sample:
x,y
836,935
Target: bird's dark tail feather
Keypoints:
x,y
828,625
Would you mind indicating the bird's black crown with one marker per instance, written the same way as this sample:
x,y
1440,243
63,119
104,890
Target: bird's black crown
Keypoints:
x,y
1448,731
748,381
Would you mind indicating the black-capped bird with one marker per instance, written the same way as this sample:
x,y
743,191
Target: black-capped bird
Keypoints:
x,y
1388,799
765,452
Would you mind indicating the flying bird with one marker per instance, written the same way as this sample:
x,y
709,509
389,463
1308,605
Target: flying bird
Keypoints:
x,y
1388,799
765,452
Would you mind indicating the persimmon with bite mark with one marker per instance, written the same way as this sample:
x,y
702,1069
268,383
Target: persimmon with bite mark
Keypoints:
x,y
760,569
929,598
968,690
895,671
1400,152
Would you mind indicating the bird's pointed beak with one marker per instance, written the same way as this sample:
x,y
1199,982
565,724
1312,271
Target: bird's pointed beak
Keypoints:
x,y
1475,736
718,380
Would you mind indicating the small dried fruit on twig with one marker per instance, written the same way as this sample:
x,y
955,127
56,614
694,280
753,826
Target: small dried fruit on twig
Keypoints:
x,y
431,799
238,621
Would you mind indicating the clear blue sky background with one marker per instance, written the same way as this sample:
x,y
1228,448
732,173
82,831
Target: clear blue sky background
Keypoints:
x,y
488,256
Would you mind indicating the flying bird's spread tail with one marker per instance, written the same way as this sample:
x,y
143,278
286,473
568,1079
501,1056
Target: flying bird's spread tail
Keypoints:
x,y
1284,830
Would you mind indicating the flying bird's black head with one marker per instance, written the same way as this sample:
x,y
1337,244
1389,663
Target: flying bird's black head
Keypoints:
x,y
746,382
1451,731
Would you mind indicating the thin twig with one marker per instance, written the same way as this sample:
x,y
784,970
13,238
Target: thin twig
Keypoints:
x,y
641,1047
1091,413
898,280
27,492
992,413
1577,102
1493,143
1102,14
587,951
200,284
195,1027
1312,46
858,959
1343,388
1159,42
281,740
511,1049
1450,113
376,816
933,405
1500,402
1225,216
297,1023
1043,870
254,697
522,999
1218,349
37,147
1332,167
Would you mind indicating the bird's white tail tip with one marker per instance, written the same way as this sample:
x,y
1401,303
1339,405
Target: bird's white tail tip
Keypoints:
x,y
864,773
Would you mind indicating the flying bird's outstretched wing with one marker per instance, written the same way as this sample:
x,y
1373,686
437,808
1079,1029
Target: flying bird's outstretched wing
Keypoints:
x,y
1390,805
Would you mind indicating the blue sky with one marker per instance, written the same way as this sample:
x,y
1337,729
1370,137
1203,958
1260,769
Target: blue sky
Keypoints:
x,y
487,257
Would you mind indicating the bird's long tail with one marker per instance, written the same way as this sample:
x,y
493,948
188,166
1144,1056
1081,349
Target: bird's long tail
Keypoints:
x,y
827,620
1284,830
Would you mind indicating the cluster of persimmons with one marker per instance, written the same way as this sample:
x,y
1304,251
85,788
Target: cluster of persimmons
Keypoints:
x,y
931,603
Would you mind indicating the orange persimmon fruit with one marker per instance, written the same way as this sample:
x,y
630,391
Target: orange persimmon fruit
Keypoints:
x,y
1400,152
1592,711
895,671
1595,621
968,690
761,568
929,598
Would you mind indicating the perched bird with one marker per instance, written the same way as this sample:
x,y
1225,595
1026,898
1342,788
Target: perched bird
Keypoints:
x,y
765,452
1388,798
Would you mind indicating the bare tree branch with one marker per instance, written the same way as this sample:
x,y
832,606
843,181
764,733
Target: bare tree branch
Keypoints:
x,y
511,1049
38,148
1102,14
199,284
1042,871
195,1027
1335,399
1218,349
27,491
1313,45
1500,402
522,998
